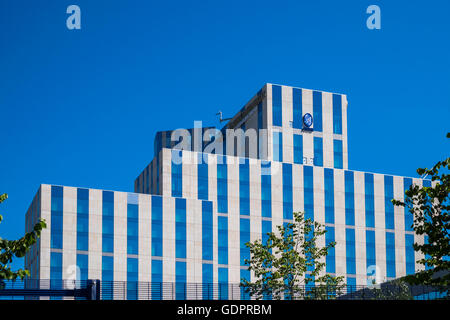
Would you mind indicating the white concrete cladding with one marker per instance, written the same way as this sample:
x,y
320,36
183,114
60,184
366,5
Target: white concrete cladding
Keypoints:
x,y
257,115
194,221
190,185
243,195
95,253
291,124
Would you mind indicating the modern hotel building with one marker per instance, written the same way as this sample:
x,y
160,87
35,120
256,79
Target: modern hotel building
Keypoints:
x,y
193,210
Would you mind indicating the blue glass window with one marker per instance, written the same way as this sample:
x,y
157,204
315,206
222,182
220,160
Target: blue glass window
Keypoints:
x,y
222,240
108,221
83,219
244,238
222,185
427,183
180,280
388,206
369,200
244,187
245,274
132,228
83,265
350,250
56,266
207,230
277,146
107,278
132,278
223,283
297,108
349,198
180,228
157,279
207,280
266,189
177,174
370,248
331,257
318,151
55,271
157,271
337,114
266,228
329,195
317,110
202,178
409,218
298,148
338,155
107,268
287,191
351,284
157,226
308,183
409,254
56,229
390,254
277,109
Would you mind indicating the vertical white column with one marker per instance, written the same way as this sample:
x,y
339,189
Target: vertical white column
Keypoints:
x,y
380,224
360,229
264,144
168,239
234,275
339,212
95,234
287,118
269,113
190,241
144,241
69,252
344,132
399,225
297,192
190,171
327,124
120,236
212,179
166,172
277,195
211,160
120,242
255,199
308,139
319,205
44,254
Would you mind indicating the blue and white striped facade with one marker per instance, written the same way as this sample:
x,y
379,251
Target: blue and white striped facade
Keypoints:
x,y
188,221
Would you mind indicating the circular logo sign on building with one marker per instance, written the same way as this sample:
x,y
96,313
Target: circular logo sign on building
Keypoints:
x,y
307,120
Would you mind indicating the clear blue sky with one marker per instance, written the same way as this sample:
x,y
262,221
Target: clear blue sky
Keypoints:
x,y
80,108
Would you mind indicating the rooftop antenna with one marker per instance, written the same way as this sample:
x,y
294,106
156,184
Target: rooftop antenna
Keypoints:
x,y
221,118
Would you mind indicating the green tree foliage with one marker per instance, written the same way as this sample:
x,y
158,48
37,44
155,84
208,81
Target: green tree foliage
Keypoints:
x,y
430,207
287,263
396,289
16,248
